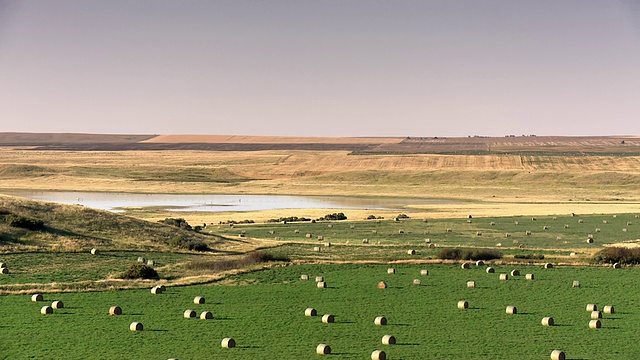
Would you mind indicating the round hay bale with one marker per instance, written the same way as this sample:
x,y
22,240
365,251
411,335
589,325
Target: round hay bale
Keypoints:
x,y
492,223
198,300
573,254
608,309
471,284
401,231
323,349
605,221
504,276
596,315
206,315
95,251
188,314
507,235
431,246
228,343
374,231
310,312
545,227
57,304
469,221
558,237
595,324
528,232
478,233
388,340
156,290
365,241
554,218
151,263
425,220
320,237
46,310
329,226
615,215
548,266
516,241
533,219
557,355
378,355
308,236
592,307
590,236
4,271
575,283
490,270
316,248
463,304
547,321
589,241
597,229
321,285
424,272
624,230
449,230
465,265
580,221
326,318
382,285
2,265
516,222
115,310
391,271
417,282
304,277
522,246
296,231
511,310
141,259
136,326
566,226
36,297
616,265
319,279
515,272
380,321
529,277
628,223
411,252
479,263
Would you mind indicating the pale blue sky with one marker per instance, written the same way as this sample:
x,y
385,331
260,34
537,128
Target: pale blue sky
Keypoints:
x,y
323,68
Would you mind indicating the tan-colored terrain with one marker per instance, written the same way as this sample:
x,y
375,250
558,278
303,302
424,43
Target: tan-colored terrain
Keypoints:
x,y
545,175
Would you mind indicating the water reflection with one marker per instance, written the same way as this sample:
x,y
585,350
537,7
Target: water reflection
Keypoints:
x,y
117,202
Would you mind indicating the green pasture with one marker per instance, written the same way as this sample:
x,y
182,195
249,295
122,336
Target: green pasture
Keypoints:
x,y
264,312
563,232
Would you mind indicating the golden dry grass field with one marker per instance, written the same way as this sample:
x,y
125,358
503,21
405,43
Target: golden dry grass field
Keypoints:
x,y
544,175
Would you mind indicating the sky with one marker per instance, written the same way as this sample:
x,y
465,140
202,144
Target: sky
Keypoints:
x,y
321,67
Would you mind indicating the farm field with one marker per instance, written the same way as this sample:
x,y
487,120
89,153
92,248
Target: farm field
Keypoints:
x,y
264,312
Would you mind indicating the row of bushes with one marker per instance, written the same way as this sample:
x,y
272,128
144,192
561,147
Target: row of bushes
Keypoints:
x,y
618,255
333,217
288,219
469,254
233,222
179,242
257,257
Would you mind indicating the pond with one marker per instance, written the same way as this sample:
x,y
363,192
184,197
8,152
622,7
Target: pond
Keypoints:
x,y
119,202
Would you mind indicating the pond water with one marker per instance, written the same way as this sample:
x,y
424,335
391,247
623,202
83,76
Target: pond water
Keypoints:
x,y
119,202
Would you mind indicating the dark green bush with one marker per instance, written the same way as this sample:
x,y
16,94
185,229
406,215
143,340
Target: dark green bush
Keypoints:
x,y
140,271
529,256
333,217
469,254
288,219
618,255
24,222
179,242
179,223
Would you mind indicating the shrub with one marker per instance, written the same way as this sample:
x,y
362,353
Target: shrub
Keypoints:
x,y
333,217
179,223
618,255
288,219
24,222
402,216
182,243
469,254
140,271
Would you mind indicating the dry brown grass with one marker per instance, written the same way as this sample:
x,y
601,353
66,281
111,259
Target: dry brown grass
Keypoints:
x,y
244,139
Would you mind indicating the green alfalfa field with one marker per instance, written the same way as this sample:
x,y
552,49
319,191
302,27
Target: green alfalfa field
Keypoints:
x,y
264,312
